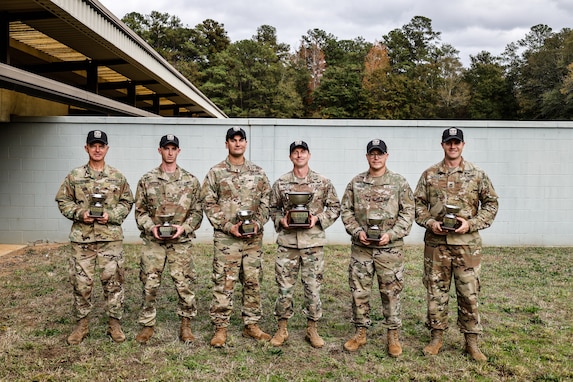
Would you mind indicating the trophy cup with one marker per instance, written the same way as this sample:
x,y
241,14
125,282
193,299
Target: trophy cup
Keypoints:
x,y
299,215
247,227
166,230
450,223
96,207
373,231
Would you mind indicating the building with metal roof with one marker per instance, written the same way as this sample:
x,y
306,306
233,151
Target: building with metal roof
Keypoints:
x,y
68,57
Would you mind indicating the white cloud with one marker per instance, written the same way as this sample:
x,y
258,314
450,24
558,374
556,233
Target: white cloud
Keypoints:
x,y
471,26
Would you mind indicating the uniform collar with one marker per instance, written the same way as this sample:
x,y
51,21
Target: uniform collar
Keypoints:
x,y
91,173
166,176
367,178
445,169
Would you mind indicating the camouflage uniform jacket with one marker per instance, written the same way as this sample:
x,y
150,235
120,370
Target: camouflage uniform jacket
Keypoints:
x,y
74,200
390,194
178,194
324,205
226,191
466,186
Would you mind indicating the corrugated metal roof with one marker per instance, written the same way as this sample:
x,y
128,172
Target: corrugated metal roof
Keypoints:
x,y
81,44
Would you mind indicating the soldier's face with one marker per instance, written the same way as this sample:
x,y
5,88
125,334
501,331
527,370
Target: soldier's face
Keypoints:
x,y
96,151
169,153
300,157
236,145
453,149
376,159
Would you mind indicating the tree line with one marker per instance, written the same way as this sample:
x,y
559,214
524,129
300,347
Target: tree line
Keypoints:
x,y
408,74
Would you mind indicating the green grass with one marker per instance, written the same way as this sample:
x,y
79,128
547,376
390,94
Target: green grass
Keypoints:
x,y
526,308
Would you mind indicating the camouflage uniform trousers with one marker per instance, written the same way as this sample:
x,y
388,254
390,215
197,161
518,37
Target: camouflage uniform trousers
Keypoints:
x,y
388,264
463,262
85,261
236,259
310,262
154,257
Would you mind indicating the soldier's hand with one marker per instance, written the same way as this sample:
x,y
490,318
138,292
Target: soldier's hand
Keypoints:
x,y
385,239
437,228
313,220
464,226
155,232
235,230
284,221
103,219
363,238
87,219
180,231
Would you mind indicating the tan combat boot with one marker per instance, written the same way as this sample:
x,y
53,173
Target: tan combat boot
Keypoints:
x,y
472,347
312,335
185,333
80,332
394,347
253,331
435,343
357,341
114,330
282,333
219,338
144,335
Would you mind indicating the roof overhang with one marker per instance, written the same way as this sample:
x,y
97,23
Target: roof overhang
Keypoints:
x,y
42,87
78,52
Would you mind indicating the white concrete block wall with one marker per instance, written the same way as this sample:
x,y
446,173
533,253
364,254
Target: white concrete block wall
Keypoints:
x,y
529,163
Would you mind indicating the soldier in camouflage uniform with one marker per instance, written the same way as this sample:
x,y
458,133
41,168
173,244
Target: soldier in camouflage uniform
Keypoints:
x,y
96,240
453,181
386,195
171,193
301,248
234,185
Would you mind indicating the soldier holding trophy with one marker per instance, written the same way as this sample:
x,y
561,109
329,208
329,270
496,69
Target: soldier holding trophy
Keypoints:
x,y
168,211
235,196
303,204
378,212
454,200
97,198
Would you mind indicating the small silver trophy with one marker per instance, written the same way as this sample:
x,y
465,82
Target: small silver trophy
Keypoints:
x,y
166,229
96,207
247,226
450,223
373,231
299,215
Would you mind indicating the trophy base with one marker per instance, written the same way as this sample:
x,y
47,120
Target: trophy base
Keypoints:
x,y
449,228
299,225
299,219
373,234
95,216
166,233
247,229
450,223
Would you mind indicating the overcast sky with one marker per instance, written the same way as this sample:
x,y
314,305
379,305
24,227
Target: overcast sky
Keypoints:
x,y
469,26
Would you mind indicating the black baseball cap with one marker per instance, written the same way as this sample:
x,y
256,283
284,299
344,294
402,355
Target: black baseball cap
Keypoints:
x,y
169,139
235,131
96,136
452,133
376,144
296,144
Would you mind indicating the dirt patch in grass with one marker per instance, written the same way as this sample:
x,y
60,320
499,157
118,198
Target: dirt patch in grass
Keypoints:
x,y
23,258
